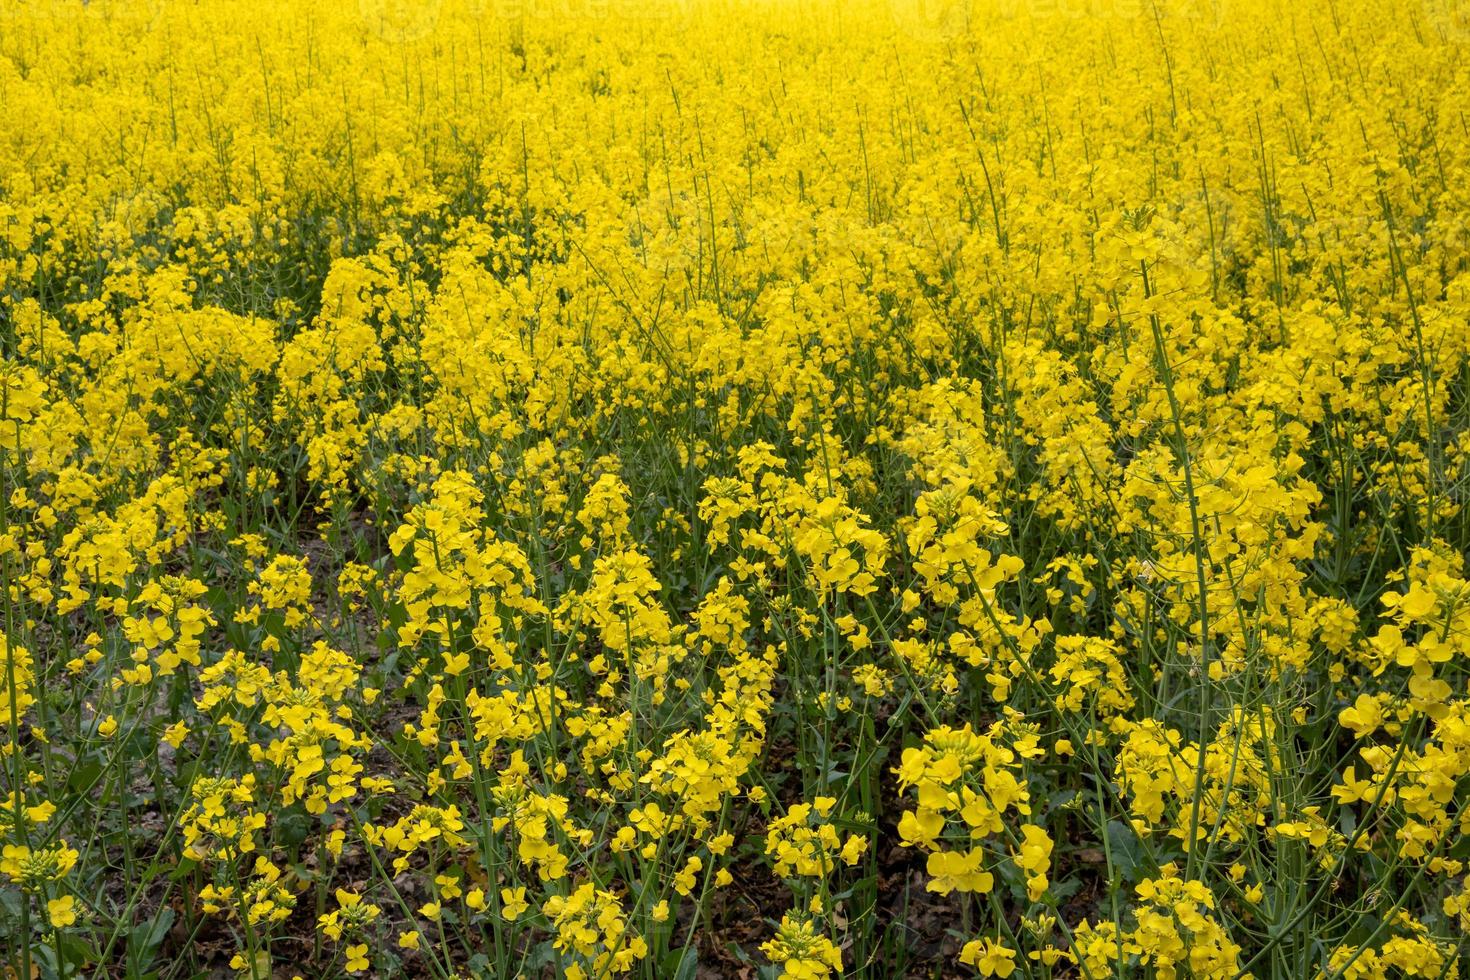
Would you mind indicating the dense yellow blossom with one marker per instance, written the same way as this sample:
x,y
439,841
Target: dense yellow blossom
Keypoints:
x,y
674,488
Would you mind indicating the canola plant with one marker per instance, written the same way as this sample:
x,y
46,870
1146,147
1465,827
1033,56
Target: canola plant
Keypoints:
x,y
747,488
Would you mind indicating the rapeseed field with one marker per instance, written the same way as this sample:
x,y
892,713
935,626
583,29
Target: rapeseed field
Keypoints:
x,y
734,488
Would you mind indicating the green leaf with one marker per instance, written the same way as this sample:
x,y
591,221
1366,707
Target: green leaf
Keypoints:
x,y
75,950
146,937
1127,852
294,826
681,964
84,776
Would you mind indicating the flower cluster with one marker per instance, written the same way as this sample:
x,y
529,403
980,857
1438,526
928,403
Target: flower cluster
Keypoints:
x,y
654,489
